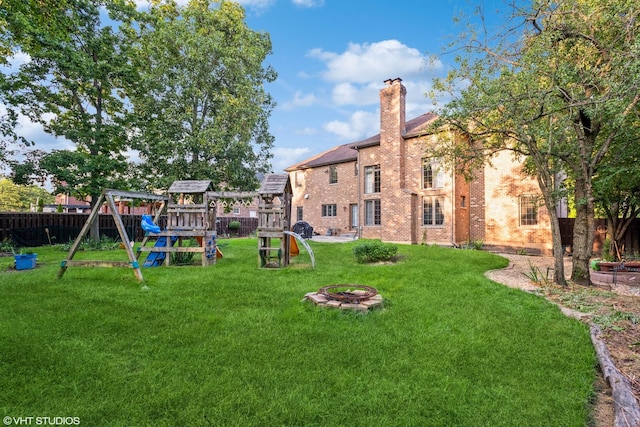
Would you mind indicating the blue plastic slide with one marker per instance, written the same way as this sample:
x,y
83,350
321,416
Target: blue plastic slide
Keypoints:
x,y
148,224
156,259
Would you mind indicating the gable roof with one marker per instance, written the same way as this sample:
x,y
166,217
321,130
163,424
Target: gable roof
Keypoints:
x,y
190,186
275,183
349,152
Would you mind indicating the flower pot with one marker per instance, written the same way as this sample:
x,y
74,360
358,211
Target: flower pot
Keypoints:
x,y
25,262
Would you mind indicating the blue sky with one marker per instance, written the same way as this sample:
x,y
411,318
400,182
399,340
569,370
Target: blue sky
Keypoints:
x,y
332,57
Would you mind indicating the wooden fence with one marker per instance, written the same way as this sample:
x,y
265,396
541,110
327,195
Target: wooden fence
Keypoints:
x,y
631,240
32,229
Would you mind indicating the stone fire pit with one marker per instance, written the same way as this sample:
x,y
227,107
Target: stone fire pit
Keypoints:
x,y
346,297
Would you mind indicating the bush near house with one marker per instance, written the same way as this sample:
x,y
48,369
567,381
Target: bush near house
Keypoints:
x,y
375,251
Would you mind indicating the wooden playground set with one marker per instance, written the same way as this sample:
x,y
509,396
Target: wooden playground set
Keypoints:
x,y
191,209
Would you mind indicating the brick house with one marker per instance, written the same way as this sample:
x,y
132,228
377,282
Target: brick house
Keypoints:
x,y
385,187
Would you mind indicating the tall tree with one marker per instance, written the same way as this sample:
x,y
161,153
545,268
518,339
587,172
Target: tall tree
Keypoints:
x,y
72,85
617,191
9,196
202,106
558,87
21,198
10,142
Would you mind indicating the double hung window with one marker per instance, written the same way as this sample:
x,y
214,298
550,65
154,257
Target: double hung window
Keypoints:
x,y
432,212
371,179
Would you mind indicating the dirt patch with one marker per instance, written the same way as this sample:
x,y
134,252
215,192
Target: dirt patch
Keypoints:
x,y
614,308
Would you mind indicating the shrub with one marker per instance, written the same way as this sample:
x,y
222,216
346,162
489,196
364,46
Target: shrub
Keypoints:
x,y
184,258
477,245
607,253
374,252
105,243
234,226
6,246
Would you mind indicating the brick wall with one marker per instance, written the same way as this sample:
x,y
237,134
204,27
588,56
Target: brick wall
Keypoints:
x,y
490,212
311,189
430,234
505,183
477,218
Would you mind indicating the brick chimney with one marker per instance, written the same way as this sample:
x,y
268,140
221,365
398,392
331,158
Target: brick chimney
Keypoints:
x,y
392,128
399,205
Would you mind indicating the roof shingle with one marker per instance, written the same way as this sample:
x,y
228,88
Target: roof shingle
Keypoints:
x,y
349,152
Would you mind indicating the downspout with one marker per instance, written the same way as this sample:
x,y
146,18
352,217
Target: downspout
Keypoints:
x,y
453,203
359,201
453,208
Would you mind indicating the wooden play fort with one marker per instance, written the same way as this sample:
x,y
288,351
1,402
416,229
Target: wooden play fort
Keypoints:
x,y
191,212
190,215
274,212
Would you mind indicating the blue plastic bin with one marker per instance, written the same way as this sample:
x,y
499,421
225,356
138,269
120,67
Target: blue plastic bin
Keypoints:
x,y
25,262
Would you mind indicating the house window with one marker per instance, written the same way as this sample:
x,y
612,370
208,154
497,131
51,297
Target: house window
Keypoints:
x,y
329,210
372,179
333,174
432,213
372,212
528,209
427,174
353,215
463,201
236,211
432,173
299,212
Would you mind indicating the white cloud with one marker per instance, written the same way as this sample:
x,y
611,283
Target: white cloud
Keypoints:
x,y
369,62
308,3
358,73
15,61
285,157
300,100
35,132
307,131
350,94
133,156
359,125
417,101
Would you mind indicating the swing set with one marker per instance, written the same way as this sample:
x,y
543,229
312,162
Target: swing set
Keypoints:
x,y
191,214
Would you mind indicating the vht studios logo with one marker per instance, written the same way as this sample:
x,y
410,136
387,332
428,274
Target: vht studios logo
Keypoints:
x,y
41,421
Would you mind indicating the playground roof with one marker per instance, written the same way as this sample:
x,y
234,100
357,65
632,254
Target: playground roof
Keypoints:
x,y
275,183
190,186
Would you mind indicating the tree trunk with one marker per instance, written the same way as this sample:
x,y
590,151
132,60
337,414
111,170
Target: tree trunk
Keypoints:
x,y
546,184
582,236
558,254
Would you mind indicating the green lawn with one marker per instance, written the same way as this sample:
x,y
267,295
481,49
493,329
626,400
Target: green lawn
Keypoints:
x,y
234,345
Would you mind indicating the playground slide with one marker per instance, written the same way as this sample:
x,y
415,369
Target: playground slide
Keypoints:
x,y
156,259
148,224
299,238
294,250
